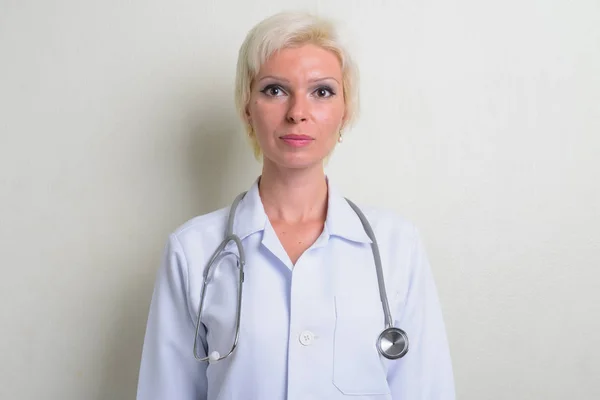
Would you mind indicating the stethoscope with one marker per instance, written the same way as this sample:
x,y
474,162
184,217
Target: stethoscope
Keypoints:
x,y
392,342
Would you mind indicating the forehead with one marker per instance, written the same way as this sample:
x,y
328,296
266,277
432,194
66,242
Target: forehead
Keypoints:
x,y
309,61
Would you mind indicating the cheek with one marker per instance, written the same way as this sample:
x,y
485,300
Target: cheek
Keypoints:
x,y
330,117
264,114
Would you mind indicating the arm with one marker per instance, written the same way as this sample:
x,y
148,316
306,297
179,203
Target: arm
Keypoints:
x,y
168,368
425,372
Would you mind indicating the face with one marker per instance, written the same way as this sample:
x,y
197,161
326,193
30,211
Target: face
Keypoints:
x,y
297,106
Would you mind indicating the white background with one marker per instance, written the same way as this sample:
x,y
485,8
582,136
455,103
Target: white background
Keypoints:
x,y
480,122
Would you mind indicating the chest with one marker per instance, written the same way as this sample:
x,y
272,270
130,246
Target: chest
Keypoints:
x,y
318,322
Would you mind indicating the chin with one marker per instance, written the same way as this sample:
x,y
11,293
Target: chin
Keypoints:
x,y
297,161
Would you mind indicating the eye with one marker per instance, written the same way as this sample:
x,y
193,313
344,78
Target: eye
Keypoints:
x,y
324,92
273,90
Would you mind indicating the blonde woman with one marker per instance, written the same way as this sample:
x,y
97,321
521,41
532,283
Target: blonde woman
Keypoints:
x,y
307,296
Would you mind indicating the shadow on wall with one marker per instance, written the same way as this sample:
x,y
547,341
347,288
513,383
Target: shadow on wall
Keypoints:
x,y
220,154
213,152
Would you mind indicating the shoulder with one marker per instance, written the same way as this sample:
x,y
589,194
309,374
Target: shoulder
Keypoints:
x,y
390,223
201,229
399,245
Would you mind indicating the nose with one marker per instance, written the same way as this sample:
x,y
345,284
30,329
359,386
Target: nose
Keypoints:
x,y
298,109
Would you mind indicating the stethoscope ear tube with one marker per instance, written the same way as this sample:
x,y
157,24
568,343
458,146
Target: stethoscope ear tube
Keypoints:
x,y
229,237
378,266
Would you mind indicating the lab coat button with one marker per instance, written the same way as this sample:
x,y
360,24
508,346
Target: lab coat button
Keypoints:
x,y
306,338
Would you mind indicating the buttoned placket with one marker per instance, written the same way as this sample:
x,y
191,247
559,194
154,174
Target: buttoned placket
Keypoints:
x,y
311,315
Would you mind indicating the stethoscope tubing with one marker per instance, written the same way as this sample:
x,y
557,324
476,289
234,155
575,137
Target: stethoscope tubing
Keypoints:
x,y
389,333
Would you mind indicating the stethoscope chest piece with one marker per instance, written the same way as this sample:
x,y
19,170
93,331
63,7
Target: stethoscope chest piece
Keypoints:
x,y
392,343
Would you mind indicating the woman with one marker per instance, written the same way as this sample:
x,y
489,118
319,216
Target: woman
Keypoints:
x,y
311,312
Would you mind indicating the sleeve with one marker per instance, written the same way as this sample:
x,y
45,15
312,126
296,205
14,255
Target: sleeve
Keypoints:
x,y
168,368
425,372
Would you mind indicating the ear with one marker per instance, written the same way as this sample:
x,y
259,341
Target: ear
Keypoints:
x,y
344,121
247,114
345,116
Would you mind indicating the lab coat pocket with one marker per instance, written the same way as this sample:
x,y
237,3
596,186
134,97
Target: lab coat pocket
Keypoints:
x,y
358,368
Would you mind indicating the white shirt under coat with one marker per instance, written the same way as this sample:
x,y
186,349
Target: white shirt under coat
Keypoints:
x,y
308,331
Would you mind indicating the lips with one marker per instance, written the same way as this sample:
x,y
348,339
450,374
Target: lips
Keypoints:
x,y
295,140
296,137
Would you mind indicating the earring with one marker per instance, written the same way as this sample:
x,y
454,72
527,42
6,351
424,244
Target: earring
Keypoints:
x,y
341,138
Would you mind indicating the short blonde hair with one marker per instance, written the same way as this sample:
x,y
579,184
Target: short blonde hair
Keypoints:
x,y
291,29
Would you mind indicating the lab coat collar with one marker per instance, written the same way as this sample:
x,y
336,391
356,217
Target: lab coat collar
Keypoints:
x,y
341,220
250,216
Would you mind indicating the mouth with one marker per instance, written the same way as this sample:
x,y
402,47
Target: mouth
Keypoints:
x,y
297,140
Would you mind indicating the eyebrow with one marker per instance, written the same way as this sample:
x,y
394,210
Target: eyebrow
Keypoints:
x,y
287,81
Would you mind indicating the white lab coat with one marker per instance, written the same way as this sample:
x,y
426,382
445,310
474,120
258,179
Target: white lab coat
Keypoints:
x,y
307,331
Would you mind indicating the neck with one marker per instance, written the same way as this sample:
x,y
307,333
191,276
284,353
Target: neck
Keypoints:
x,y
293,196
